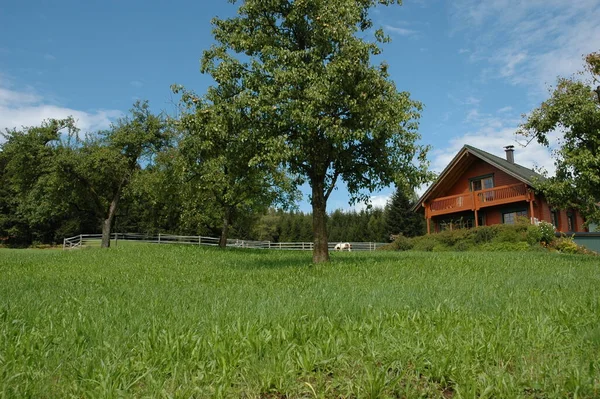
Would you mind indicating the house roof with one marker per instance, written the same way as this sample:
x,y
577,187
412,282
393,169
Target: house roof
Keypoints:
x,y
519,172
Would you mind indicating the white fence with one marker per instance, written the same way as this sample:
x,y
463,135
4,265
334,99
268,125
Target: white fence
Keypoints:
x,y
94,240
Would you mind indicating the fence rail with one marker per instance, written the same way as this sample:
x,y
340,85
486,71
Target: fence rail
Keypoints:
x,y
94,240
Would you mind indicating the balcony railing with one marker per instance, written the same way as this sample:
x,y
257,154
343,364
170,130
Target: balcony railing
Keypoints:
x,y
479,199
454,203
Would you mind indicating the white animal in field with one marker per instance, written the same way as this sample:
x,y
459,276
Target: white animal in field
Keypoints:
x,y
341,246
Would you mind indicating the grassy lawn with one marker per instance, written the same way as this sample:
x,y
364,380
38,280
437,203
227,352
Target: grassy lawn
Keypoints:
x,y
175,321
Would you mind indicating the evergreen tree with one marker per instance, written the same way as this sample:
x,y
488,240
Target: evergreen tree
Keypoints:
x,y
399,217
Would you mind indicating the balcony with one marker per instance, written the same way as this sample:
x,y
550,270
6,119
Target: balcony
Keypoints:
x,y
479,199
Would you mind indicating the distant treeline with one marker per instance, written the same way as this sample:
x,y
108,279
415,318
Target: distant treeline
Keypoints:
x,y
148,175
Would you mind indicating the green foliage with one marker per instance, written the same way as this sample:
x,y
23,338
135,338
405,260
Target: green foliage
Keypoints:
x,y
399,217
425,243
366,225
510,235
77,183
180,321
484,234
322,110
566,245
548,232
573,109
35,200
521,236
402,243
534,235
544,233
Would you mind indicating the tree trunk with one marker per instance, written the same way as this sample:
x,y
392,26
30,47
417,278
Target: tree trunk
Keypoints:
x,y
107,223
225,228
319,205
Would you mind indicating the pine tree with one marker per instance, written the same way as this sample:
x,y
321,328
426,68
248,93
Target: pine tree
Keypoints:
x,y
399,217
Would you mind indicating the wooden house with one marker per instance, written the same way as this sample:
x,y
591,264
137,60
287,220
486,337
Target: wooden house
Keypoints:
x,y
481,189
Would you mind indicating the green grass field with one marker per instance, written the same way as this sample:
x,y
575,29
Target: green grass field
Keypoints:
x,y
173,321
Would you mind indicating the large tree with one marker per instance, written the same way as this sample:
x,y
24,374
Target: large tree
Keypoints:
x,y
34,198
573,110
104,163
323,110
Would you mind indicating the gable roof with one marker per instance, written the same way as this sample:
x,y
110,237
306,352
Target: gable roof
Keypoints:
x,y
519,172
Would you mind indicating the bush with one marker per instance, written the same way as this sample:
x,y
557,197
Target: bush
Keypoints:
x,y
402,243
451,237
463,246
567,245
534,235
548,232
424,243
509,235
542,233
484,234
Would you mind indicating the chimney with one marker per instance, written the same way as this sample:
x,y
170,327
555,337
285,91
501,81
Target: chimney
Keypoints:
x,y
510,153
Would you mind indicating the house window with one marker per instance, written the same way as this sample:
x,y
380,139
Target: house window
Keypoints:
x,y
482,183
511,217
570,221
461,223
554,218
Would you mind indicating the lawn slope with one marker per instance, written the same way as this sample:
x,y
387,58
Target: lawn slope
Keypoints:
x,y
171,321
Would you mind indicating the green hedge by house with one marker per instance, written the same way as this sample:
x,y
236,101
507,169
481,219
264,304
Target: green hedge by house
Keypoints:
x,y
521,236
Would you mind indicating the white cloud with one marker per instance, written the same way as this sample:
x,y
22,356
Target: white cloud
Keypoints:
x,y
49,57
27,108
470,100
376,201
529,42
400,31
505,109
136,83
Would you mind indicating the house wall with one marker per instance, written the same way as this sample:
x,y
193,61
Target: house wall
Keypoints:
x,y
543,211
481,168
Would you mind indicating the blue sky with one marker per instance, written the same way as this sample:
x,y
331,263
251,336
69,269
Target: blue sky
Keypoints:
x,y
477,66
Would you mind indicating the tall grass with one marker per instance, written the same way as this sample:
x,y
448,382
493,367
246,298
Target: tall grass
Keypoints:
x,y
158,321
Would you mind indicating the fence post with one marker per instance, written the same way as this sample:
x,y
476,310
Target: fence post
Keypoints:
x,y
64,243
81,240
159,238
116,239
199,240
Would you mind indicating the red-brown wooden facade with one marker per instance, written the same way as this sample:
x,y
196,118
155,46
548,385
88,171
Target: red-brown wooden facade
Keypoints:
x,y
452,201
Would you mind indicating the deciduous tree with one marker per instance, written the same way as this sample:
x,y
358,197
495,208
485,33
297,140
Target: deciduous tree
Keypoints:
x,y
325,111
103,164
572,110
221,152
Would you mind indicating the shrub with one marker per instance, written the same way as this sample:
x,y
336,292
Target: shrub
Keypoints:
x,y
463,246
451,237
567,245
509,234
534,235
547,231
484,234
424,243
402,243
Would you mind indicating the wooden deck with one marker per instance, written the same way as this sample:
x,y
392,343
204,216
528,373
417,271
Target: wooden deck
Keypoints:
x,y
476,200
